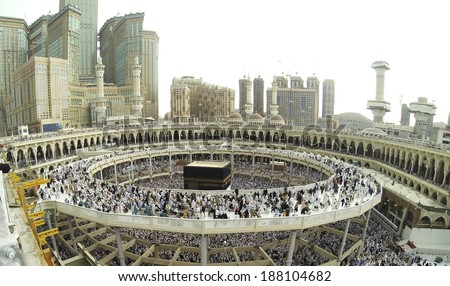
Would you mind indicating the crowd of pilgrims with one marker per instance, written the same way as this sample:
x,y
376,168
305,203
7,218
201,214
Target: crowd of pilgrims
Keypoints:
x,y
379,248
249,197
162,195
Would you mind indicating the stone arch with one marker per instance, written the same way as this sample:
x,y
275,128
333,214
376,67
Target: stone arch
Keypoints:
x,y
58,151
443,201
440,172
440,222
176,135
30,154
369,150
261,136
183,135
139,138
321,143
48,152
423,167
360,149
73,148
352,147
65,149
409,217
434,196
40,153
131,139
425,220
431,170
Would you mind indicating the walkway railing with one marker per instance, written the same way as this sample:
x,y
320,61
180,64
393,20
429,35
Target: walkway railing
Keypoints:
x,y
210,226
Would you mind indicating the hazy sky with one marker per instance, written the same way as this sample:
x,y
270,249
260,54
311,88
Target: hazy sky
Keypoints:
x,y
221,41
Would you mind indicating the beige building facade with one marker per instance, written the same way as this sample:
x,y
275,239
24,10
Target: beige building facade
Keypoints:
x,y
193,100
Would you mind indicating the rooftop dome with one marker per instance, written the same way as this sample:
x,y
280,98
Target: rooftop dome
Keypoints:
x,y
277,120
235,118
372,131
256,119
256,116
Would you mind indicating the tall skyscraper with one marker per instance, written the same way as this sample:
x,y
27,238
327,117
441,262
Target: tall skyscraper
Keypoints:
x,y
13,54
120,43
327,97
64,38
88,35
258,95
243,83
121,40
150,59
38,37
40,94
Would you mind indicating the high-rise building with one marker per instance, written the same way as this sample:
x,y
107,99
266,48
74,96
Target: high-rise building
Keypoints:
x,y
40,94
122,38
64,38
120,43
296,104
88,34
194,100
243,84
405,118
38,37
258,95
327,97
150,59
13,54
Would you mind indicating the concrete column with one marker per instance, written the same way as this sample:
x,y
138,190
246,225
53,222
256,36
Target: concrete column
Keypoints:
x,y
170,162
49,226
402,221
72,235
290,171
150,166
253,162
115,172
446,168
101,174
363,237
259,239
120,247
292,239
436,166
132,170
155,236
344,238
204,250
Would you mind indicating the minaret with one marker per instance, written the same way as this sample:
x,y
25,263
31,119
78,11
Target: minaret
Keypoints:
x,y
136,103
379,106
424,113
248,106
273,107
100,106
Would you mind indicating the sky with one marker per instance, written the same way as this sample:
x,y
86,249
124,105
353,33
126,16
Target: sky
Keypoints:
x,y
221,41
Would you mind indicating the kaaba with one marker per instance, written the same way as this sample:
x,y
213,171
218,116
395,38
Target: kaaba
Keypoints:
x,y
206,175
